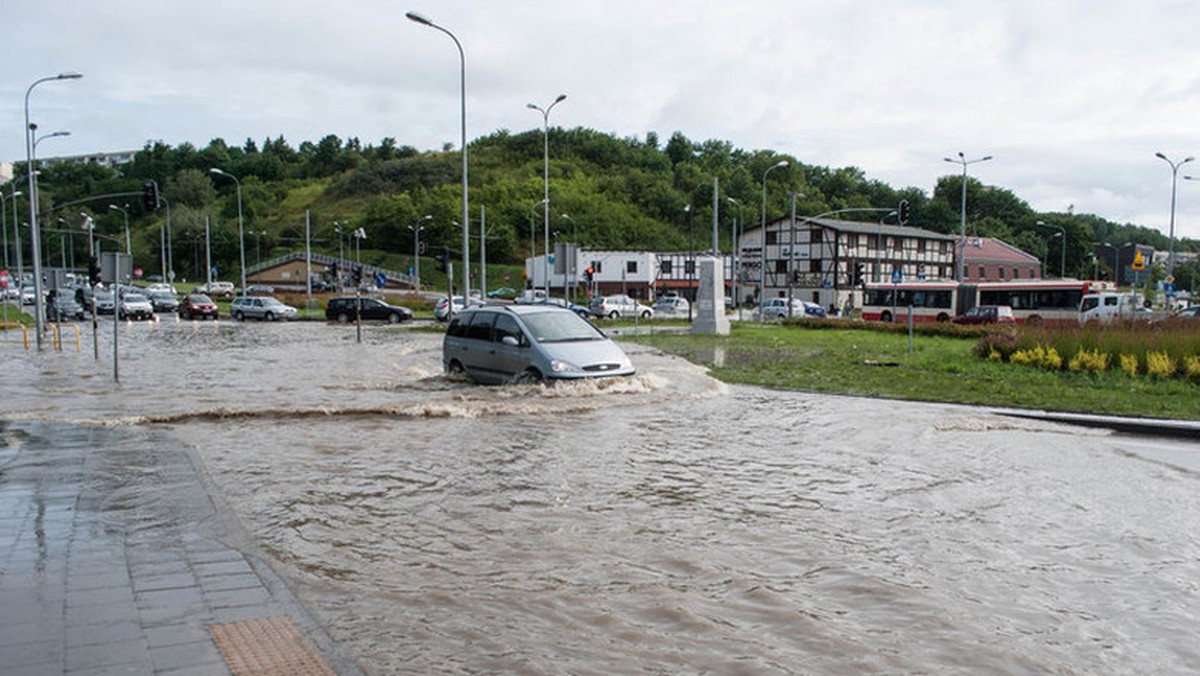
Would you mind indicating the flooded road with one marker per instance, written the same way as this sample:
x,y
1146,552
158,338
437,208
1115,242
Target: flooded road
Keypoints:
x,y
665,524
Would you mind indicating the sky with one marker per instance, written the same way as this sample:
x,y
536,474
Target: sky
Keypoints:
x,y
1071,98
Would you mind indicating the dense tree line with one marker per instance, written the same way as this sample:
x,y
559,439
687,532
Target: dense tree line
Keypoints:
x,y
605,191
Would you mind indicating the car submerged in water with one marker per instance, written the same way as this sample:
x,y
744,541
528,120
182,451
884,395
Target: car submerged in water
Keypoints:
x,y
529,343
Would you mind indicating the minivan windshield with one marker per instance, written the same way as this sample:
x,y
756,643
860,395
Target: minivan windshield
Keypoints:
x,y
559,327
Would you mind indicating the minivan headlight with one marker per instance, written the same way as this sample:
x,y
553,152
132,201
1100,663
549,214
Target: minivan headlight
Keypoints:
x,y
560,366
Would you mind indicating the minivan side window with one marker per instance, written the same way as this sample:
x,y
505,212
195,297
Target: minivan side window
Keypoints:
x,y
481,325
457,327
507,326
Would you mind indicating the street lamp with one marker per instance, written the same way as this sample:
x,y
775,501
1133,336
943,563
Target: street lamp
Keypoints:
x,y
466,242
962,240
762,272
416,230
34,233
1174,172
241,224
1062,263
546,178
124,211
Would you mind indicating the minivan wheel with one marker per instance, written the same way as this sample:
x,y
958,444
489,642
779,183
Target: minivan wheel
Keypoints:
x,y
394,318
531,376
240,316
455,367
343,317
270,316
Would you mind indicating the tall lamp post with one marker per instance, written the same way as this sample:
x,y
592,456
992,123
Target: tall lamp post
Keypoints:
x,y
416,230
124,210
1062,260
532,237
762,271
241,224
1174,173
36,141
546,179
466,241
34,233
962,237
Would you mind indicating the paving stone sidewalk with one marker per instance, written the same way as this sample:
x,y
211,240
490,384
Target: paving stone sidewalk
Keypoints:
x,y
116,559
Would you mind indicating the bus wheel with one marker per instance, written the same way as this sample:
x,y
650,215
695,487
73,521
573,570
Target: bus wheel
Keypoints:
x,y
886,317
943,318
1034,320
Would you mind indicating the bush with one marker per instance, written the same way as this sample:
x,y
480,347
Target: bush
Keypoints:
x,y
1089,360
996,346
1129,364
1160,365
1041,356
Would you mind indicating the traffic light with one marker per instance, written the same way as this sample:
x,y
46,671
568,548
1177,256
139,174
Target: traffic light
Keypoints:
x,y
357,275
903,212
443,260
93,271
858,274
589,273
150,195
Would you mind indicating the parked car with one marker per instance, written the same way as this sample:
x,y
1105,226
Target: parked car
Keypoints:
x,y
260,290
615,307
197,306
1189,312
159,287
502,292
27,295
163,301
532,343
265,308
441,311
343,310
135,306
777,308
63,308
581,310
218,289
671,305
986,314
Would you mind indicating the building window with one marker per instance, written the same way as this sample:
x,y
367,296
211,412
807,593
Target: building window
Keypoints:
x,y
665,266
1016,273
689,267
773,237
814,265
631,267
983,273
1001,271
920,246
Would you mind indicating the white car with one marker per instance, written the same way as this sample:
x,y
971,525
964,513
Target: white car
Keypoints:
x,y
672,305
615,307
136,306
265,308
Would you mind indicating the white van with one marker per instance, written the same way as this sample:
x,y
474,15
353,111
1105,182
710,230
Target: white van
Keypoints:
x,y
1105,307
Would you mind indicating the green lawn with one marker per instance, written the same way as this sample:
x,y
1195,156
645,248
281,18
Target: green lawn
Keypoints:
x,y
871,363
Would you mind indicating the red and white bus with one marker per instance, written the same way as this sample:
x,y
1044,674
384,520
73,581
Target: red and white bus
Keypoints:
x,y
1049,302
1041,301
930,301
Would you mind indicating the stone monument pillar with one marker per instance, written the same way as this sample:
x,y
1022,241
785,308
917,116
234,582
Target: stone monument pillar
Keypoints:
x,y
709,313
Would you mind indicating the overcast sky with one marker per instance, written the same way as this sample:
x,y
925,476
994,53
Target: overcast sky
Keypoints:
x,y
1072,98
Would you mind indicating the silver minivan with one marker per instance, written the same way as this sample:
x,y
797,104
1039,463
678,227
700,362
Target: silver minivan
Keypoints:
x,y
529,343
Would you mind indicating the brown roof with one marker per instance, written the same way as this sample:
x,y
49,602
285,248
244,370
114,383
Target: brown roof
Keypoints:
x,y
990,250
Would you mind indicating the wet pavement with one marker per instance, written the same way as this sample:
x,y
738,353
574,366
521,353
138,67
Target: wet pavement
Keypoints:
x,y
97,578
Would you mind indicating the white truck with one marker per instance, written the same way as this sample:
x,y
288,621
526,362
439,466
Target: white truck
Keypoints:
x,y
1107,306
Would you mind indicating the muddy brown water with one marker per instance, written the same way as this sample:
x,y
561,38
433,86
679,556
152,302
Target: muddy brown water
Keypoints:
x,y
664,524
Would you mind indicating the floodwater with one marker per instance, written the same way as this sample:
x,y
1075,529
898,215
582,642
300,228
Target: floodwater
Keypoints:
x,y
664,524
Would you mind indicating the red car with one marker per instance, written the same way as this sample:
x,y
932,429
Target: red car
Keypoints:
x,y
197,305
987,314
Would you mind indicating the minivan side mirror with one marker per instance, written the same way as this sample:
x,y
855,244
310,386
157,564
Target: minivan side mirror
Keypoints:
x,y
511,341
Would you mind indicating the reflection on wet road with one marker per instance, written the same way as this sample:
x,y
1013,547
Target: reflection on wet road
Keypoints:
x,y
663,524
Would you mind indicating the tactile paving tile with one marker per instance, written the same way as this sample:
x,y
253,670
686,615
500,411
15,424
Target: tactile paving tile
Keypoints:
x,y
271,646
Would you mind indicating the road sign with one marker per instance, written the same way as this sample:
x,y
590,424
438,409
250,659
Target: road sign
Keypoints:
x,y
897,276
1139,263
380,280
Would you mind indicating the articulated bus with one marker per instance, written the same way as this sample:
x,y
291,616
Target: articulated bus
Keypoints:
x,y
1041,301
